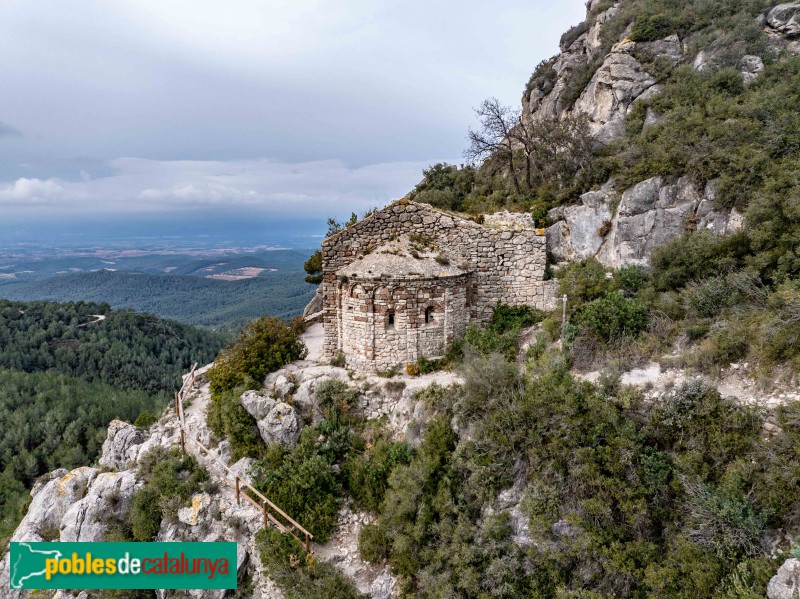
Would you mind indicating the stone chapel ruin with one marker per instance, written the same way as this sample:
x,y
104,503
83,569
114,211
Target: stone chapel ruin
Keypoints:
x,y
407,280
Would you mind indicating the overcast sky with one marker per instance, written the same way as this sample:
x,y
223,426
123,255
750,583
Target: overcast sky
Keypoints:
x,y
285,107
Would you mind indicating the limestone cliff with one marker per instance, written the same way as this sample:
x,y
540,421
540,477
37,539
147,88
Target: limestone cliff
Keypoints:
x,y
604,79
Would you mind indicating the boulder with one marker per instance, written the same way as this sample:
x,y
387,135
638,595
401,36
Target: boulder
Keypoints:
x,y
750,67
786,583
121,437
282,425
193,514
785,19
257,404
282,387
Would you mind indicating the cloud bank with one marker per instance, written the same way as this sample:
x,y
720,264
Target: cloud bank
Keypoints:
x,y
138,186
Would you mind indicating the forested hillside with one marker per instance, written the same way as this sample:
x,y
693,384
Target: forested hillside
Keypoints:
x,y
67,370
227,305
121,348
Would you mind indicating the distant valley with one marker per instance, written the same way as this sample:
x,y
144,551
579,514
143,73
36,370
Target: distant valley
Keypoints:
x,y
220,287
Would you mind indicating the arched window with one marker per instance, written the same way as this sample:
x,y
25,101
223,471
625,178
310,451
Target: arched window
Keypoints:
x,y
428,315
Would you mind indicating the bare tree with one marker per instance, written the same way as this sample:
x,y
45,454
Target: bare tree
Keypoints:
x,y
551,151
555,151
494,137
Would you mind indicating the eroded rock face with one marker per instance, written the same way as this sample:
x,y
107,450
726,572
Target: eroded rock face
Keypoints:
x,y
786,583
42,522
121,438
315,305
619,81
649,214
579,234
257,403
108,497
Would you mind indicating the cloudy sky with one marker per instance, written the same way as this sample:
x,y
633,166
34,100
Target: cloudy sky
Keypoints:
x,y
291,108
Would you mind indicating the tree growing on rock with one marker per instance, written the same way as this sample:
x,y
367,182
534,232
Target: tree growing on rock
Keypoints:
x,y
535,153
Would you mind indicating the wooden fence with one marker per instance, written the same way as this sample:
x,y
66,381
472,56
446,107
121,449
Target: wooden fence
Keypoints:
x,y
273,515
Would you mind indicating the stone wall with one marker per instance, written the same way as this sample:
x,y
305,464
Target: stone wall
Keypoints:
x,y
507,263
371,340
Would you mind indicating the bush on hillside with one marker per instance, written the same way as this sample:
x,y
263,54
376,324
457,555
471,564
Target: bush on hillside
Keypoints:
x,y
614,316
583,282
650,28
170,480
264,346
298,575
696,256
228,419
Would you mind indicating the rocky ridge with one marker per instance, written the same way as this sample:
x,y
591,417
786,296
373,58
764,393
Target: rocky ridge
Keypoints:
x,y
620,227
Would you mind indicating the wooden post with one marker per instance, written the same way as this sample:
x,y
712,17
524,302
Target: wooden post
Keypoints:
x,y
308,545
237,491
264,509
183,442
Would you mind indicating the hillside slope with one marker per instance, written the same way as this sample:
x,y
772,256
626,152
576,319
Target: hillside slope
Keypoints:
x,y
66,370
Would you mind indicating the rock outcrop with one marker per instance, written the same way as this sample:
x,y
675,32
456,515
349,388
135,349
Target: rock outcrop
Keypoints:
x,y
649,214
282,425
619,82
108,498
786,583
121,446
785,19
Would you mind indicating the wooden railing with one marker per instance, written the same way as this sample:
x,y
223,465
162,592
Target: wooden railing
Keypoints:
x,y
273,515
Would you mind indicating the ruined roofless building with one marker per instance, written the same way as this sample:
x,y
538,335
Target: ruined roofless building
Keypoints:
x,y
407,281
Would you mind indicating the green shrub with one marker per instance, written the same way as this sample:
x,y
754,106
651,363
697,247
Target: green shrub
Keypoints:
x,y
368,474
614,316
650,28
583,282
145,419
506,318
727,343
336,399
299,576
631,278
710,297
228,419
723,520
373,543
695,257
694,421
302,483
484,342
264,346
573,33
170,479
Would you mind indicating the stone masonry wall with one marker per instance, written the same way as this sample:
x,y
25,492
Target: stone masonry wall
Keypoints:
x,y
370,341
507,263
